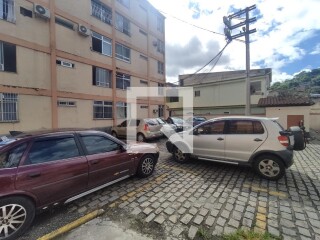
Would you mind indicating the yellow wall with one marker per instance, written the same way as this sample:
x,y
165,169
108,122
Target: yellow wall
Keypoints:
x,y
315,116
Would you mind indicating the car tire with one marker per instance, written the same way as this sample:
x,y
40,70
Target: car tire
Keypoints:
x,y
269,167
180,156
114,134
15,205
146,166
140,137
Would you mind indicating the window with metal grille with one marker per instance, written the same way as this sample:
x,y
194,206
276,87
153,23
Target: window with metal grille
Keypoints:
x,y
123,81
122,24
123,110
8,62
197,93
8,107
160,46
125,3
101,77
62,103
101,11
122,52
160,24
102,110
101,44
7,10
160,67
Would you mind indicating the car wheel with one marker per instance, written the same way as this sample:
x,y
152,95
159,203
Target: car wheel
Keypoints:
x,y
16,216
114,134
269,167
146,166
180,156
141,137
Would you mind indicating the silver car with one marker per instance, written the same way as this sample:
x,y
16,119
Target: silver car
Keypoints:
x,y
259,142
139,129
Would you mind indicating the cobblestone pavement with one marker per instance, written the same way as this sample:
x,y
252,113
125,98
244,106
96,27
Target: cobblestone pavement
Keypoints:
x,y
181,199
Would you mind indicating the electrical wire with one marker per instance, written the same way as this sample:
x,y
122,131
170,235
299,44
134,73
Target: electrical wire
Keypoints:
x,y
217,55
196,26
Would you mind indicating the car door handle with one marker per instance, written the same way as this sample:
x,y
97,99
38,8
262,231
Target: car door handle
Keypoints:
x,y
33,175
94,162
258,140
220,139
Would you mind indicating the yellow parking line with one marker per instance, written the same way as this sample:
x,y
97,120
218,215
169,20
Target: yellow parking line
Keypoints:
x,y
72,225
259,189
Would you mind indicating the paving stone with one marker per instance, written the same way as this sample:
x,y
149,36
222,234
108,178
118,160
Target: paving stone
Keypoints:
x,y
273,231
225,214
221,221
304,231
214,212
247,222
209,221
312,215
147,210
169,210
288,231
228,230
186,218
287,223
198,219
136,211
203,212
234,223
173,218
176,231
192,232
182,210
159,219
150,217
193,211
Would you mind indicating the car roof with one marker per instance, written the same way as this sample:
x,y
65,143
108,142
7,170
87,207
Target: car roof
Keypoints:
x,y
242,117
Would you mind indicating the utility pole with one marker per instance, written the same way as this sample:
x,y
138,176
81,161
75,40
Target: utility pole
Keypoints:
x,y
246,33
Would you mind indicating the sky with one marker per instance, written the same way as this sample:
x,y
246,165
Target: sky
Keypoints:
x,y
287,37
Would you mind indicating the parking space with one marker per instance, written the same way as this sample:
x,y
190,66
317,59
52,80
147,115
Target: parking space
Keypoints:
x,y
181,199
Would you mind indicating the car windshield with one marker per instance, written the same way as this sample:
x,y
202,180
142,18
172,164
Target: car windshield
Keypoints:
x,y
151,121
160,121
178,120
200,119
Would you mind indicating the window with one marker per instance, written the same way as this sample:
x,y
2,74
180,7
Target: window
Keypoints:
x,y
160,67
101,77
143,32
174,99
125,3
212,128
197,93
134,123
25,12
144,107
160,111
160,46
122,81
65,63
122,24
122,52
52,149
99,144
160,24
143,57
101,44
160,89
8,107
7,10
123,110
64,23
245,127
8,57
255,88
62,103
101,11
102,110
144,82
12,158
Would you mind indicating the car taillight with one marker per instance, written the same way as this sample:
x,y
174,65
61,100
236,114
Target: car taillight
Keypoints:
x,y
146,127
284,140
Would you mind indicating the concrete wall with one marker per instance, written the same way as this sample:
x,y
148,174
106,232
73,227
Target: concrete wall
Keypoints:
x,y
283,112
315,116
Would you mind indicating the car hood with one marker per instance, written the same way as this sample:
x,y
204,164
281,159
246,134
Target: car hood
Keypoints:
x,y
140,147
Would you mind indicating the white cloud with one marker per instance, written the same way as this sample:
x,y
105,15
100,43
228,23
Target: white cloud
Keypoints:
x,y
281,27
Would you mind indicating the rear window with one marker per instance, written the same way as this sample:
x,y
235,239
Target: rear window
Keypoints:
x,y
200,119
151,121
245,127
278,124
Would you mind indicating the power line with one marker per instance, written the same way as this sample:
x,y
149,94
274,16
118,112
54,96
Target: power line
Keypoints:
x,y
217,55
196,26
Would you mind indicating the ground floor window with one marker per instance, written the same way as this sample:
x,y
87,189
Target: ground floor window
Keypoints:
x,y
8,107
123,110
102,110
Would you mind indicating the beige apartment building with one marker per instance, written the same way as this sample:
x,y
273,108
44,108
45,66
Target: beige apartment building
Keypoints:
x,y
69,63
220,93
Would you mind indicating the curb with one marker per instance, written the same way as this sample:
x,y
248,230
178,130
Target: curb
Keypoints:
x,y
72,225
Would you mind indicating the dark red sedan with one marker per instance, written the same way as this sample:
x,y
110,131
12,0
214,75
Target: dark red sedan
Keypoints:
x,y
45,169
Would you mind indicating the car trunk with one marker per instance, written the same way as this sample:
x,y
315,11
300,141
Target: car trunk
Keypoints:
x,y
153,125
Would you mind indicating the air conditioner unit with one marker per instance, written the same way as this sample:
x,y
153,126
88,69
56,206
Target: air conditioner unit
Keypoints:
x,y
66,64
41,11
83,30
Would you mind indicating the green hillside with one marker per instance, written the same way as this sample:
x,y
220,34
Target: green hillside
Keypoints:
x,y
307,82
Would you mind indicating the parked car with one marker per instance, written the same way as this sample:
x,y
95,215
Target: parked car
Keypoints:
x,y
139,129
166,128
180,123
41,170
194,121
255,141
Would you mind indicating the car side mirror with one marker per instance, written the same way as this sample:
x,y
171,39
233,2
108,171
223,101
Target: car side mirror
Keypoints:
x,y
123,148
195,131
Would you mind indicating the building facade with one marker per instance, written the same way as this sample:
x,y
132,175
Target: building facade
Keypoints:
x,y
221,93
70,63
